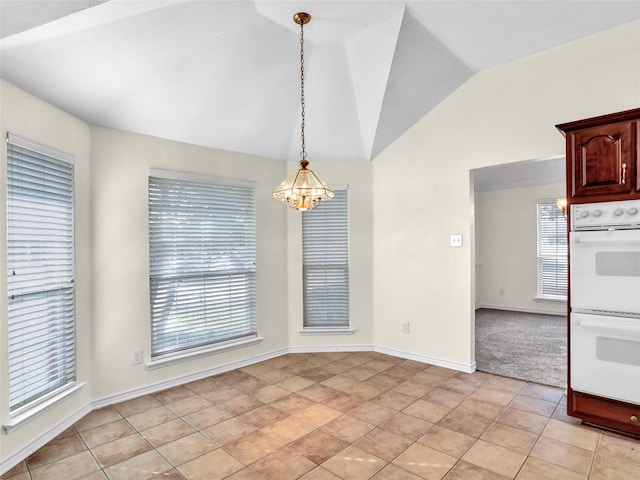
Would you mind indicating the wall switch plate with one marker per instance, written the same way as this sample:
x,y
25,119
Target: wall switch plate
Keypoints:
x,y
456,240
136,357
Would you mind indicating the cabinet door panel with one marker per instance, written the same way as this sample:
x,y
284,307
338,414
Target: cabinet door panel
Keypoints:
x,y
602,160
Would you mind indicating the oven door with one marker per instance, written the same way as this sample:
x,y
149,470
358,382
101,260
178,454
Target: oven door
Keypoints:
x,y
605,271
605,356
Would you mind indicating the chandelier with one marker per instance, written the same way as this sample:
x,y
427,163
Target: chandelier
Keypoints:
x,y
302,190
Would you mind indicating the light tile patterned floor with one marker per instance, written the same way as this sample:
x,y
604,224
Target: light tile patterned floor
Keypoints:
x,y
338,416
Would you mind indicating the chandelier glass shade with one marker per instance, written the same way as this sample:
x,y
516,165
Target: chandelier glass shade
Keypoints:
x,y
302,190
561,203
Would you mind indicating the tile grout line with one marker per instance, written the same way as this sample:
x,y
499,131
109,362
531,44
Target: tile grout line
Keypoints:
x,y
592,465
534,402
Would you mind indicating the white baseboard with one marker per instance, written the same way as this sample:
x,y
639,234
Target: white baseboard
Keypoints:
x,y
329,349
174,382
12,460
387,351
461,367
521,309
9,462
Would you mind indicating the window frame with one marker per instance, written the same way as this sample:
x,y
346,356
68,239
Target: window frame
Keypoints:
x,y
43,181
216,187
559,257
321,214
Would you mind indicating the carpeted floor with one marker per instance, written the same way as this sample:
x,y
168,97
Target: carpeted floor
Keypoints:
x,y
525,346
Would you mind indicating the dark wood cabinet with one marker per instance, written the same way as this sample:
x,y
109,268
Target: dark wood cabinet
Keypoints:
x,y
620,416
603,157
603,164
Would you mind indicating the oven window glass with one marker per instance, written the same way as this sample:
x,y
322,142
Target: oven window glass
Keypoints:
x,y
618,351
618,264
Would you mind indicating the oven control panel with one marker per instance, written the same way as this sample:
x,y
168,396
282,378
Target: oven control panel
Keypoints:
x,y
623,214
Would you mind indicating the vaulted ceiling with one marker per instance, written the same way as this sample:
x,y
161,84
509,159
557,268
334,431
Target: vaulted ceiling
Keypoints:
x,y
226,74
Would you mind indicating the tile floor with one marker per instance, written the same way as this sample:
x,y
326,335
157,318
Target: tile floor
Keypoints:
x,y
338,416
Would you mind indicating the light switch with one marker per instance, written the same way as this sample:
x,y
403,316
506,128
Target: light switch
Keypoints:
x,y
456,240
136,356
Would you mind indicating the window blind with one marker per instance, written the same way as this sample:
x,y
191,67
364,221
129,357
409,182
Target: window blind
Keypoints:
x,y
40,261
552,251
202,263
325,263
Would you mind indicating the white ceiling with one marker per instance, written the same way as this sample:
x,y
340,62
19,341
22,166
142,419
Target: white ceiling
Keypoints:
x,y
225,74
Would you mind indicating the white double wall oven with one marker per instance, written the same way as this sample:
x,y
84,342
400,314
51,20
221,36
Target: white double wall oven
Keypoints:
x,y
605,299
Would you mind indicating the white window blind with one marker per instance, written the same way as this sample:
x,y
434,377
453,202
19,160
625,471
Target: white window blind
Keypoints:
x,y
552,252
202,262
325,263
40,271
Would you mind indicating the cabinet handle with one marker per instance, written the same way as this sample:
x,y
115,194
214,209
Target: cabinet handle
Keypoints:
x,y
624,173
634,419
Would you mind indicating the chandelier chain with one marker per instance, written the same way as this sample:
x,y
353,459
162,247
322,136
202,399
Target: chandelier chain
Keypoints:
x,y
303,190
303,153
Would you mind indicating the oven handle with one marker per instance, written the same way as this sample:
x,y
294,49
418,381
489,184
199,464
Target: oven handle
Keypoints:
x,y
604,240
586,323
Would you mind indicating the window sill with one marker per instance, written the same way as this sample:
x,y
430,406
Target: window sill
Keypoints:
x,y
327,331
28,413
174,358
550,299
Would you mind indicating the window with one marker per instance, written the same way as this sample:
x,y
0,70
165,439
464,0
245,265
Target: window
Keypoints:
x,y
202,250
325,263
552,252
40,249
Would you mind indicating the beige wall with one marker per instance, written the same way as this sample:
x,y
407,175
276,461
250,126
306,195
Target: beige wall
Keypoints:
x,y
421,183
357,176
121,162
120,281
112,259
506,248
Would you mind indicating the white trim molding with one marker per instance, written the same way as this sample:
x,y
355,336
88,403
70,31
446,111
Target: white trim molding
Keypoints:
x,y
509,308
331,348
29,412
179,357
61,426
12,460
460,367
184,379
327,331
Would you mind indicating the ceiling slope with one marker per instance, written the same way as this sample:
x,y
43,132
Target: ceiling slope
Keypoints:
x,y
226,74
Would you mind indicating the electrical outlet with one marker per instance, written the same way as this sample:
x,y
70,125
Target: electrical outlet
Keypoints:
x,y
501,291
405,327
136,357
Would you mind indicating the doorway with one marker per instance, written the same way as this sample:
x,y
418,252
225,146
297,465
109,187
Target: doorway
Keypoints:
x,y
506,272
